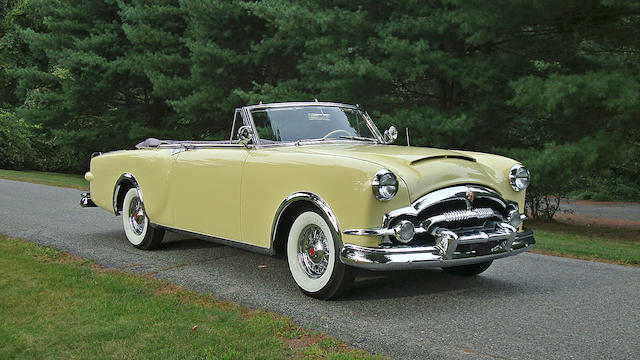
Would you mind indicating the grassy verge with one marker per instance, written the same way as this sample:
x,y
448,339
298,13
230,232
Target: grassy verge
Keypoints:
x,y
47,178
55,305
619,246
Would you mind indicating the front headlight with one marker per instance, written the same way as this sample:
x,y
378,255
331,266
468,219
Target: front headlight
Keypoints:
x,y
385,185
519,177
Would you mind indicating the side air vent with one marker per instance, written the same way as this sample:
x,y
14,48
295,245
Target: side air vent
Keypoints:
x,y
460,157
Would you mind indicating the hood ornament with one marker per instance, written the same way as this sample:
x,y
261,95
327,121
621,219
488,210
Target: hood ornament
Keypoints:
x,y
469,196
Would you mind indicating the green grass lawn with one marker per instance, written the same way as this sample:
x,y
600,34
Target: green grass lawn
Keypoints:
x,y
620,246
54,305
47,178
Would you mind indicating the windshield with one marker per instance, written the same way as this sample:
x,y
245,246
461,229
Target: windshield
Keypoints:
x,y
297,123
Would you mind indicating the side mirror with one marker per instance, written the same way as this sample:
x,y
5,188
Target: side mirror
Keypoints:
x,y
245,135
390,135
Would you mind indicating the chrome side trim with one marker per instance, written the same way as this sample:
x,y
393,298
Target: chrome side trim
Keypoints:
x,y
85,200
185,147
407,258
314,199
116,191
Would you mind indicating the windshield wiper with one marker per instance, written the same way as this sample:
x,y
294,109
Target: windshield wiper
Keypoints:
x,y
308,140
358,138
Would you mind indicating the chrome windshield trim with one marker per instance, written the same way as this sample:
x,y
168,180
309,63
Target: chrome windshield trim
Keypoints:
x,y
298,104
249,119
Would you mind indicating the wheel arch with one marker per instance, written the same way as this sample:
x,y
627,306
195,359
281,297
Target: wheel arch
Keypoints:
x,y
289,208
125,182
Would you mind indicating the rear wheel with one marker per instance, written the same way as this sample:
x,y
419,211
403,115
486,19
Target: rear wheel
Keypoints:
x,y
313,257
468,270
136,224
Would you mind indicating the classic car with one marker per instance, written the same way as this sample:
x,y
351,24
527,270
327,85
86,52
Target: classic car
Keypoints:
x,y
318,183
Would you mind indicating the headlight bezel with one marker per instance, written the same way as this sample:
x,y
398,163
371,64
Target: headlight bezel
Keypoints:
x,y
380,185
515,174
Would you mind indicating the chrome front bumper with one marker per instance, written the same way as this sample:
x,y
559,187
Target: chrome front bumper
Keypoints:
x,y
85,200
387,258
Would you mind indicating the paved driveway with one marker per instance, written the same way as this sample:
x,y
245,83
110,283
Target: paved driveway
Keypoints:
x,y
524,307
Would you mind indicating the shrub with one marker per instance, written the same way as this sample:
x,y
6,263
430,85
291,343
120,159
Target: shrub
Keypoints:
x,y
15,143
599,167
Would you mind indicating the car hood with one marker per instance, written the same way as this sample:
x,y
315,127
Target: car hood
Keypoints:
x,y
427,169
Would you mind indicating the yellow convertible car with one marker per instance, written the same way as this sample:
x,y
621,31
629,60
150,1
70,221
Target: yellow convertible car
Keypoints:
x,y
320,184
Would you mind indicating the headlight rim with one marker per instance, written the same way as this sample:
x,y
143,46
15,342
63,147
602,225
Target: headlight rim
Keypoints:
x,y
513,177
375,185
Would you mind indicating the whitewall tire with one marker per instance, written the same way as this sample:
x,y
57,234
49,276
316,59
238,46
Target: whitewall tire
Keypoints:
x,y
136,224
313,257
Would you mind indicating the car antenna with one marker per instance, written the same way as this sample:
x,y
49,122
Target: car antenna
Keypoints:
x,y
407,132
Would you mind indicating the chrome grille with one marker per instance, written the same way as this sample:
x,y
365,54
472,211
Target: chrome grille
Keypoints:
x,y
451,208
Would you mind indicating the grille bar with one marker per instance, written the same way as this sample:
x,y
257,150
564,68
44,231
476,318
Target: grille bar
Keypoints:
x,y
460,215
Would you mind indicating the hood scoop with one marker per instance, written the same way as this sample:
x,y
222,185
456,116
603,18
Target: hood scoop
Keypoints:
x,y
450,156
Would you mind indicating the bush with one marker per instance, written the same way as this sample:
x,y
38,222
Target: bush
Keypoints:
x,y
554,173
15,142
593,167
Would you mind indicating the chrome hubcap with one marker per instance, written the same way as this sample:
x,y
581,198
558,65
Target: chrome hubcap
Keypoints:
x,y
136,216
313,251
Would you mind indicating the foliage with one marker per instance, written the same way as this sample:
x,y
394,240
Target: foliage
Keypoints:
x,y
15,147
524,78
559,169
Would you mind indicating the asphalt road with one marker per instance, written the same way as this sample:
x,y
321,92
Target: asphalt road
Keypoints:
x,y
524,307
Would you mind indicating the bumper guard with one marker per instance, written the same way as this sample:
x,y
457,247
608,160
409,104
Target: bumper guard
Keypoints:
x,y
85,200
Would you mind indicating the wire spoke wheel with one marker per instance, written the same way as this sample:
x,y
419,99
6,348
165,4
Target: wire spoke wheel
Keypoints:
x,y
313,251
137,216
137,226
313,256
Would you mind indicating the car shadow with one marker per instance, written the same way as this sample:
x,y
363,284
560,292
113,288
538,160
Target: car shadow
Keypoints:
x,y
391,285
187,244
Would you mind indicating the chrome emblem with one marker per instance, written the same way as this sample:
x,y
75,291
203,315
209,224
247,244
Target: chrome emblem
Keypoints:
x,y
470,195
469,198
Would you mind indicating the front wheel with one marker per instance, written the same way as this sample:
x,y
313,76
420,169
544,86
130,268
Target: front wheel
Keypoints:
x,y
468,270
313,257
136,224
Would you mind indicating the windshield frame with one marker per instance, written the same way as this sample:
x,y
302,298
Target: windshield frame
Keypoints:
x,y
258,142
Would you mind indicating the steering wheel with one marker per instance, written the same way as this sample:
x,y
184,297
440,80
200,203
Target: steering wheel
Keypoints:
x,y
335,132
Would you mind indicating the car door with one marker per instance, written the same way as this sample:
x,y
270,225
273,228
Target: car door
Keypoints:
x,y
206,185
206,191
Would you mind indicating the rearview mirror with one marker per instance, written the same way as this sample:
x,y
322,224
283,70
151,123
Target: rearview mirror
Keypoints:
x,y
245,135
390,135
